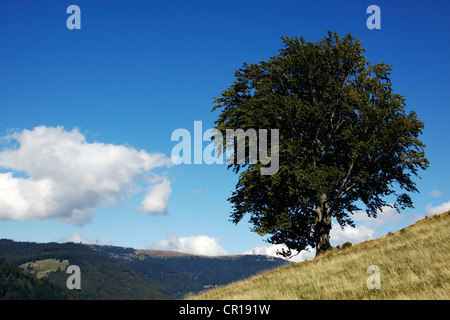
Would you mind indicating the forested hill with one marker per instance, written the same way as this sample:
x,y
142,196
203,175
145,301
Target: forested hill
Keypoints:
x,y
101,278
16,284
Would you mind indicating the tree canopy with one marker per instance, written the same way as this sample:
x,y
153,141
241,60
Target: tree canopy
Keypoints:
x,y
345,140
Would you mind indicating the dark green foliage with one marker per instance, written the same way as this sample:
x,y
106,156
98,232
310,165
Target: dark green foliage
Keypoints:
x,y
345,137
346,245
18,285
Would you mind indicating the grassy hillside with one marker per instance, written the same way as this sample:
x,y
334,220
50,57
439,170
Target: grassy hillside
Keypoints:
x,y
42,268
181,274
413,262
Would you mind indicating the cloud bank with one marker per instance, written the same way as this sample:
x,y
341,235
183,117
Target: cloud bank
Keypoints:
x,y
51,173
272,251
76,238
349,234
438,209
201,245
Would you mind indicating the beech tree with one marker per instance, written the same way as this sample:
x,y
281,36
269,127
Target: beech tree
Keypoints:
x,y
345,140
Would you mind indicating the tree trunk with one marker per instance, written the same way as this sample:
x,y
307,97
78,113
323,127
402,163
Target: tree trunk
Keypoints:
x,y
323,226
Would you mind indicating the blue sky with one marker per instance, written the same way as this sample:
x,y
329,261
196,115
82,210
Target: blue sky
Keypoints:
x,y
138,70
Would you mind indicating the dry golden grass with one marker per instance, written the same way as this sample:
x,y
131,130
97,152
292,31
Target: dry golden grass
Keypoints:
x,y
414,264
42,268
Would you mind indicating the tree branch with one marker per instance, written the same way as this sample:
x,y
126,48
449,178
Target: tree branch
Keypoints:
x,y
344,182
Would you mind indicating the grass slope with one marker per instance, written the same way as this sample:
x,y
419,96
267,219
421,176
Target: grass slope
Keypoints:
x,y
414,264
42,268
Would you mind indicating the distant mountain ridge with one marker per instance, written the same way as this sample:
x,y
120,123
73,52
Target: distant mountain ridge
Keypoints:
x,y
182,274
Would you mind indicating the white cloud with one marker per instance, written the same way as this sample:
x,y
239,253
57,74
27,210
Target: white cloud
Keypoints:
x,y
349,234
439,209
436,193
272,251
157,198
384,216
201,245
75,238
67,177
